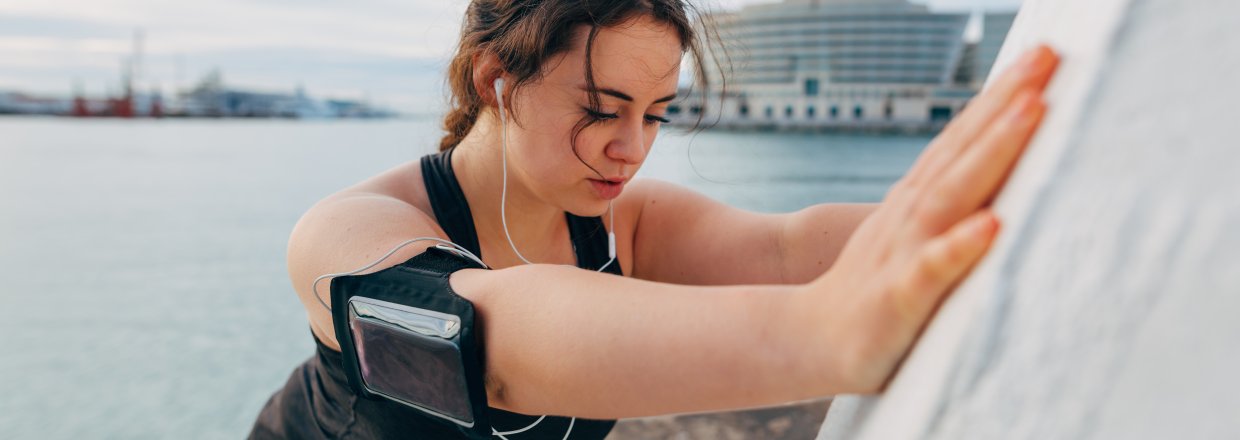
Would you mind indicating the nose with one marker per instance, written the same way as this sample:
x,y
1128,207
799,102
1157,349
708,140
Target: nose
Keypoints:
x,y
629,144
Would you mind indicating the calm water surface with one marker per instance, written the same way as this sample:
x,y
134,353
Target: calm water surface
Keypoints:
x,y
145,292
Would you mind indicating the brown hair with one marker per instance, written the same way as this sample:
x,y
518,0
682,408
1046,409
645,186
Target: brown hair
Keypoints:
x,y
525,34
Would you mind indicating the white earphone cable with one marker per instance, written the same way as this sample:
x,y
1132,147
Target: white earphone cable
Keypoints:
x,y
315,287
503,198
611,246
503,195
503,208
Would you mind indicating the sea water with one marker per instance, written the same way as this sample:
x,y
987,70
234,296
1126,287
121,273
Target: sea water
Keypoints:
x,y
145,291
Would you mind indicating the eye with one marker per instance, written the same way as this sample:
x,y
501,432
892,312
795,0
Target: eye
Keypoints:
x,y
600,116
653,119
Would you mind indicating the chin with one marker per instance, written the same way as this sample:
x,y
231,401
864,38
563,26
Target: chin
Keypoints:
x,y
594,207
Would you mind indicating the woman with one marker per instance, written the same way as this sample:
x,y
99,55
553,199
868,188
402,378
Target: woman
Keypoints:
x,y
723,308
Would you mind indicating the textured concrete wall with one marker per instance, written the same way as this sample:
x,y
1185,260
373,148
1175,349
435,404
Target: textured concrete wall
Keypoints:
x,y
1110,307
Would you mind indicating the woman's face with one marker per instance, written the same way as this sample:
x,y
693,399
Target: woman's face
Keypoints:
x,y
636,68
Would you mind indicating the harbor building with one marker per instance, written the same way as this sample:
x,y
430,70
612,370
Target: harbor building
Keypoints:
x,y
995,27
880,65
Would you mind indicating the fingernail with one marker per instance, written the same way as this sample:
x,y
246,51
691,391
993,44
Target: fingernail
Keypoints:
x,y
1029,60
1037,60
985,225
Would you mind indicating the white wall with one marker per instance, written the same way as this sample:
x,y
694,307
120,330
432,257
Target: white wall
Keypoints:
x,y
1110,307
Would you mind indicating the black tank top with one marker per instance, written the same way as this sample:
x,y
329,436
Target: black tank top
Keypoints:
x,y
317,403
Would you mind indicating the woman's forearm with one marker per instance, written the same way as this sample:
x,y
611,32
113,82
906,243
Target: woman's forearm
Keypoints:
x,y
814,237
565,341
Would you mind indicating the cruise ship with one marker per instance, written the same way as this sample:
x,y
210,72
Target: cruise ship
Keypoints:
x,y
995,27
880,65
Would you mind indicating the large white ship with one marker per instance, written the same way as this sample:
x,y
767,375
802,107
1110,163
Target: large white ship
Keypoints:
x,y
884,65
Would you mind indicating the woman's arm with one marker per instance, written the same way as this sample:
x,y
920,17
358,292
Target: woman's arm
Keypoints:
x,y
812,238
565,341
561,340
684,237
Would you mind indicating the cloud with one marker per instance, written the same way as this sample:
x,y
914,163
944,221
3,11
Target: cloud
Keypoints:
x,y
389,50
377,26
386,49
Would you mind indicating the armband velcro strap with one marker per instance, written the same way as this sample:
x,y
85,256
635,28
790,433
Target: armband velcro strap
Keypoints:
x,y
408,338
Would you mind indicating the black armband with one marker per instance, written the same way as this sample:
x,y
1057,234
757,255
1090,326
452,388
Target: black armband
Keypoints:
x,y
408,338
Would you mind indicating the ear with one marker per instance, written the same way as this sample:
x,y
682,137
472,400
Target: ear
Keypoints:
x,y
487,69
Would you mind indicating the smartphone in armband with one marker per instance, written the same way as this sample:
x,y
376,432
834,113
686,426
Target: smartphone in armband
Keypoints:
x,y
408,338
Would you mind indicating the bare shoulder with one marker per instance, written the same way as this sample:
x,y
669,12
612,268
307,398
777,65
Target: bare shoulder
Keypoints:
x,y
645,211
667,200
647,190
402,182
684,237
348,230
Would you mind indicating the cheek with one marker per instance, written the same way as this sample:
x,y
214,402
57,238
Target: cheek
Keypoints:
x,y
652,132
591,141
547,155
547,145
567,147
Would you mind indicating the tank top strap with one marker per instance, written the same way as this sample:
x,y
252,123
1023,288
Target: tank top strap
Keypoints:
x,y
590,243
589,240
448,201
588,234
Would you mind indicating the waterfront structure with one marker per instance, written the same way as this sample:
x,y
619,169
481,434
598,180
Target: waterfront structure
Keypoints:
x,y
848,64
15,103
995,27
211,98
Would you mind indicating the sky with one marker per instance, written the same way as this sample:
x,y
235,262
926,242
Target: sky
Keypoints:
x,y
391,52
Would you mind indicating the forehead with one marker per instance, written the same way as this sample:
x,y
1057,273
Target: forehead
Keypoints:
x,y
641,56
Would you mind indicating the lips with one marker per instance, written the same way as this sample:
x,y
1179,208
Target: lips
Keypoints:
x,y
608,189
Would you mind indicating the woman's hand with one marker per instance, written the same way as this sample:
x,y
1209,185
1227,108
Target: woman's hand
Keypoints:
x,y
933,226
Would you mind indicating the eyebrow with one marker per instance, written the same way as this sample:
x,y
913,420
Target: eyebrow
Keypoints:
x,y
621,95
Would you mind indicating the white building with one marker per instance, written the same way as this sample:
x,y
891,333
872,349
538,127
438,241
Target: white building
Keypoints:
x,y
868,64
20,103
995,27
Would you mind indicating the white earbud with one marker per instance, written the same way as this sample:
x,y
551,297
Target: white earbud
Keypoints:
x,y
499,97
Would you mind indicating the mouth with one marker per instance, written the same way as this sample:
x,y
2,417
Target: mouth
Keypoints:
x,y
609,188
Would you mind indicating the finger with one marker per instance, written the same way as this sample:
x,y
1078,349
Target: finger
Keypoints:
x,y
972,180
941,263
1034,70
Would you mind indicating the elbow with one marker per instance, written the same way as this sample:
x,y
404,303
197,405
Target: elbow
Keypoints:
x,y
497,393
514,396
480,287
516,310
